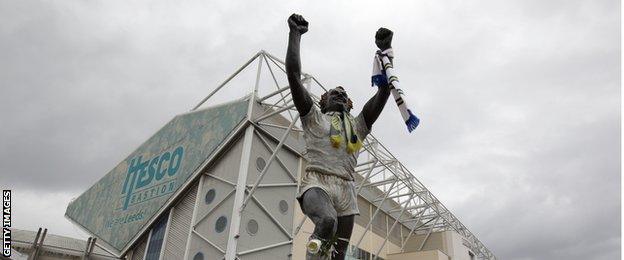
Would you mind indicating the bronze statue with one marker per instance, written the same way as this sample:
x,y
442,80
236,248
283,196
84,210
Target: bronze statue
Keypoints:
x,y
333,138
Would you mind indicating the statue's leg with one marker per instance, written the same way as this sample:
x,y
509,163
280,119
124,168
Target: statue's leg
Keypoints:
x,y
343,231
317,205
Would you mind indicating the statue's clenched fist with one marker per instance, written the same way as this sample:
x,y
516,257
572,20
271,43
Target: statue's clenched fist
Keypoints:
x,y
296,23
383,38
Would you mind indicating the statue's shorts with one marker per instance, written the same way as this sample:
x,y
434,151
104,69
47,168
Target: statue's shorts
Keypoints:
x,y
340,191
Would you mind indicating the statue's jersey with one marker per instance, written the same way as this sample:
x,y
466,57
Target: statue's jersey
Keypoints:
x,y
322,157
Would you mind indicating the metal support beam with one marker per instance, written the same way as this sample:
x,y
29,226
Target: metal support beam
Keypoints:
x,y
210,243
277,85
93,245
276,139
279,126
213,208
265,247
38,245
390,232
395,196
427,236
280,90
409,208
274,112
85,254
359,188
436,226
277,157
268,213
226,81
373,216
33,247
383,182
239,196
268,163
412,230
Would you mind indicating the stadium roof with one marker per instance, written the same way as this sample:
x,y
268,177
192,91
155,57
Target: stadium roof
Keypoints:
x,y
67,246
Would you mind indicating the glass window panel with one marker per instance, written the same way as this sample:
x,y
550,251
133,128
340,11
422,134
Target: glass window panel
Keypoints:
x,y
156,239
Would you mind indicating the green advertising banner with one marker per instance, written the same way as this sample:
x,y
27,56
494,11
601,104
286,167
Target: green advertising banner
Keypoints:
x,y
120,204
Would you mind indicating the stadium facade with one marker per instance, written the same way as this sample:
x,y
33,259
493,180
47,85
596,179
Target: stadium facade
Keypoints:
x,y
220,183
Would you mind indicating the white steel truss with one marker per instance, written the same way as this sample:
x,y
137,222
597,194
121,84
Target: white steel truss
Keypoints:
x,y
399,194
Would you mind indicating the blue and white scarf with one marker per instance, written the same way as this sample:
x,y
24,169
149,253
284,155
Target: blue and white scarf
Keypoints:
x,y
383,73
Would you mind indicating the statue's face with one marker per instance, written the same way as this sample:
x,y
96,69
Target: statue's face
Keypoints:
x,y
336,100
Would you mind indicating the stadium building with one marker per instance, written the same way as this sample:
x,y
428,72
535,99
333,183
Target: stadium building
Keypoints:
x,y
219,182
30,245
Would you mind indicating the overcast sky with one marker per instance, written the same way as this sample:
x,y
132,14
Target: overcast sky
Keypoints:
x,y
519,100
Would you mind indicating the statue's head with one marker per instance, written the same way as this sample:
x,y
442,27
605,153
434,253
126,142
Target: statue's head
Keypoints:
x,y
336,100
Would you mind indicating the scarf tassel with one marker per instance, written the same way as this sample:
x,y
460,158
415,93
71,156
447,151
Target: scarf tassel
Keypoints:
x,y
336,140
354,147
412,122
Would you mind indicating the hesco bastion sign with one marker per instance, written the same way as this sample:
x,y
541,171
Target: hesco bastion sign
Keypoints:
x,y
120,204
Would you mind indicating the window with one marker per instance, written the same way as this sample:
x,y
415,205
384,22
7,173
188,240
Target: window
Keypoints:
x,y
221,224
210,196
156,238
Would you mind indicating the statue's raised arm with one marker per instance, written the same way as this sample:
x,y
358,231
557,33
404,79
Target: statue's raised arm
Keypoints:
x,y
372,109
298,26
